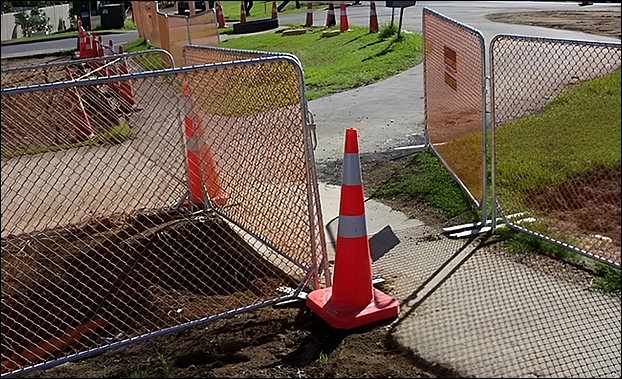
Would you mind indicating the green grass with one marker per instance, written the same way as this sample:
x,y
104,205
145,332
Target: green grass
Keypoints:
x,y
156,367
608,279
323,358
547,148
348,60
116,134
425,177
136,45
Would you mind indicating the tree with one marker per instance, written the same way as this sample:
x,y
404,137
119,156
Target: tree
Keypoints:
x,y
32,22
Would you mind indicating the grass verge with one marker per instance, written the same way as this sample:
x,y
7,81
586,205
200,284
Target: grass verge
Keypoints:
x,y
342,62
136,45
425,178
546,149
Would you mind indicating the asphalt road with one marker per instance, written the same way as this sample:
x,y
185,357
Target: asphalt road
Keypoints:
x,y
53,46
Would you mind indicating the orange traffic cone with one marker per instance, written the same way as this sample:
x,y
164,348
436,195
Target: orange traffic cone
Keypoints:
x,y
79,117
330,17
100,46
352,301
274,10
343,22
373,18
202,169
242,12
309,14
219,15
126,91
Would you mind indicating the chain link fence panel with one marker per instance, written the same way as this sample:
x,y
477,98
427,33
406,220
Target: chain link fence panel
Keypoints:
x,y
105,241
455,99
560,182
195,54
114,64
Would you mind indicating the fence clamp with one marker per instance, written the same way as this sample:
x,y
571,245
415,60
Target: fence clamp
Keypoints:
x,y
311,128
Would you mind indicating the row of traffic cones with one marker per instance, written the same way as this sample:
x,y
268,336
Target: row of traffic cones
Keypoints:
x,y
91,46
243,12
344,24
330,17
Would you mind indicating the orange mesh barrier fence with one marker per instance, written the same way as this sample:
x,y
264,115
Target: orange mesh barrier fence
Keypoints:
x,y
454,110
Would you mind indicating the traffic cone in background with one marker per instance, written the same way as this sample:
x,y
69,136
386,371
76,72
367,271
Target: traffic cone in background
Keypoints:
x,y
352,300
343,22
81,37
125,89
330,17
274,10
309,14
79,117
219,15
242,12
202,169
373,18
100,46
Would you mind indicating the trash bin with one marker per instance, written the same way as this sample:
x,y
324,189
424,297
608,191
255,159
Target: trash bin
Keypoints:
x,y
112,16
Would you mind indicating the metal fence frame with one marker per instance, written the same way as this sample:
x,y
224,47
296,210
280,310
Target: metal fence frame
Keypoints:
x,y
319,255
497,207
87,60
77,62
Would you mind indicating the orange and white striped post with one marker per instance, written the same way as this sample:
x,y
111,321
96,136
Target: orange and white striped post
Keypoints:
x,y
79,116
125,89
309,14
219,15
330,16
242,12
373,18
352,300
275,13
344,25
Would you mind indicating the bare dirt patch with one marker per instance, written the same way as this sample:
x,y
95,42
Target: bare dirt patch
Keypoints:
x,y
604,23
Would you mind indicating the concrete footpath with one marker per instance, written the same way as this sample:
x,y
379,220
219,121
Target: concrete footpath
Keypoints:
x,y
468,307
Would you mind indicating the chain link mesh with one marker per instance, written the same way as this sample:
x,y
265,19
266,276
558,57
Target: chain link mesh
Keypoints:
x,y
172,32
194,54
140,61
568,188
508,315
101,242
454,111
